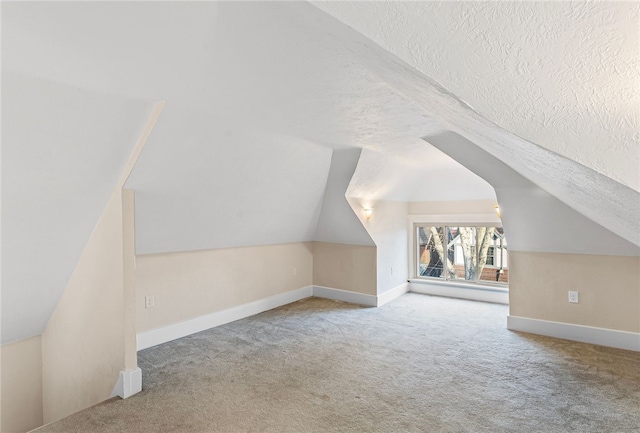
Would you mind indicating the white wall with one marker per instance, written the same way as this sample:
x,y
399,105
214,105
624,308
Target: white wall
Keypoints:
x,y
242,190
63,149
338,223
452,208
420,172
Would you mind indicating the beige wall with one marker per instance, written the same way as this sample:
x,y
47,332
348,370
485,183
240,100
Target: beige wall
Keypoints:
x,y
388,229
91,335
608,286
345,267
191,284
83,346
22,385
129,295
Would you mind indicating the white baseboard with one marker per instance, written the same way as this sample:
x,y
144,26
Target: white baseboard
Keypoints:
x,y
345,296
178,330
129,383
182,329
584,334
392,294
496,296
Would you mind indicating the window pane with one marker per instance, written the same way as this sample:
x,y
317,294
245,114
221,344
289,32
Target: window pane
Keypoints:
x,y
495,268
430,260
462,253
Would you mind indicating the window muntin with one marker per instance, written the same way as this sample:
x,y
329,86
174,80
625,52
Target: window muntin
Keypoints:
x,y
462,253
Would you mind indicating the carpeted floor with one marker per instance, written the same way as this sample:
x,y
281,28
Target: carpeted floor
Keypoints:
x,y
417,364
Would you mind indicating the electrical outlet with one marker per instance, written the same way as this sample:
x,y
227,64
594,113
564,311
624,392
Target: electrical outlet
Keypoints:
x,y
149,301
573,297
294,271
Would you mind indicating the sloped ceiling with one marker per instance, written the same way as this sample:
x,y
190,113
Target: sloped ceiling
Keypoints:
x,y
564,75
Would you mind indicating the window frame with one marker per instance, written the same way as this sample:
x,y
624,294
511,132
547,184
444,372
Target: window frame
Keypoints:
x,y
414,261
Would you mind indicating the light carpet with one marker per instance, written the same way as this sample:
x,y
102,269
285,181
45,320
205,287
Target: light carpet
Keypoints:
x,y
418,364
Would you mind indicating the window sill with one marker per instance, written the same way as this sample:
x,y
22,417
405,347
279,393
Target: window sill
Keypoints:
x,y
461,285
471,291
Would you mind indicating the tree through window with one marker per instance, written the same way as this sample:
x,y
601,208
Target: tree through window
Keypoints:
x,y
466,253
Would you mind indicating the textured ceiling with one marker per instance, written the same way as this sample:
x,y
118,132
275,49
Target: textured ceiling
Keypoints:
x,y
564,75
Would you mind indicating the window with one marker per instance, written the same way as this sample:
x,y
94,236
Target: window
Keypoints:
x,y
491,256
462,253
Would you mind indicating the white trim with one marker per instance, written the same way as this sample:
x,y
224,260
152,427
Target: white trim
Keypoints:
x,y
345,295
392,294
129,383
478,219
142,140
182,329
178,330
496,295
585,334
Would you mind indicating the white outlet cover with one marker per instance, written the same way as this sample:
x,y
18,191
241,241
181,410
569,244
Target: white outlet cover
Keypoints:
x,y
573,297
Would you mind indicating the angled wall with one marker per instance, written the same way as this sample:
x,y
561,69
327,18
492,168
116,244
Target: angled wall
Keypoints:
x,y
338,223
554,248
201,185
344,255
63,149
537,220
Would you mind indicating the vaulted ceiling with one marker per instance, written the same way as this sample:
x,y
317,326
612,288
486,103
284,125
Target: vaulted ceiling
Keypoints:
x,y
265,100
